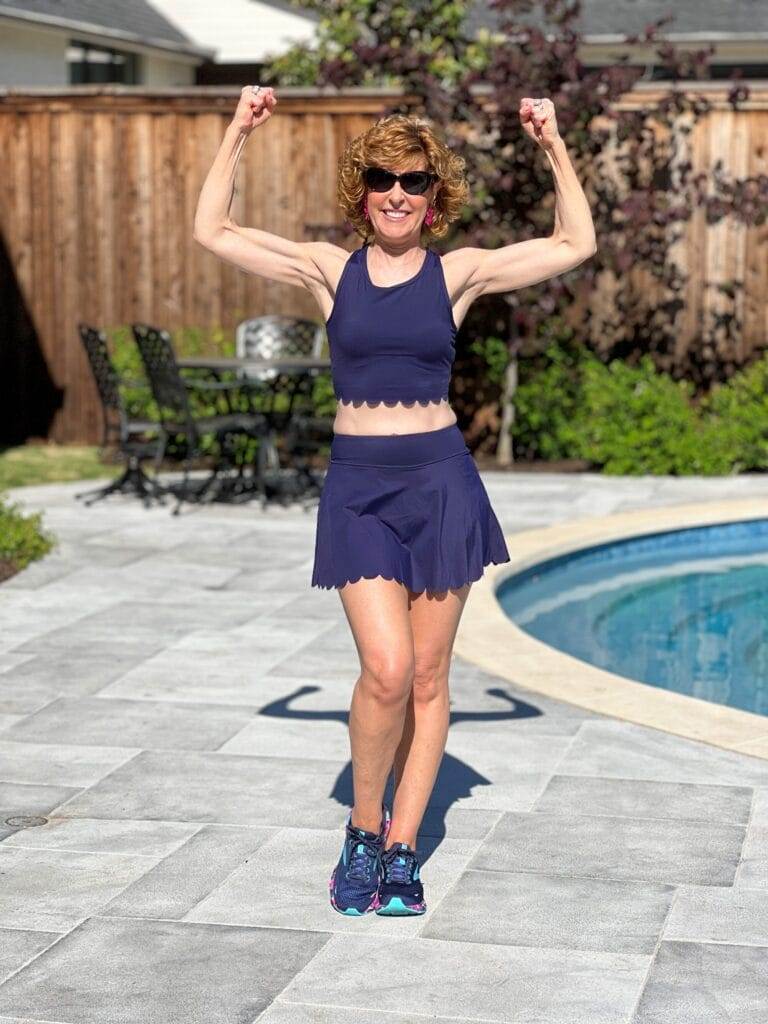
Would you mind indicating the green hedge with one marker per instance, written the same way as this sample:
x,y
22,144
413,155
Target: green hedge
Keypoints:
x,y
22,539
634,420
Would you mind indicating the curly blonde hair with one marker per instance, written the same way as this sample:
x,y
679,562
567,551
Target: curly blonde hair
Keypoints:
x,y
394,141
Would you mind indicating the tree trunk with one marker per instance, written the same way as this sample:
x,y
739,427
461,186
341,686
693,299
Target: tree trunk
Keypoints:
x,y
505,455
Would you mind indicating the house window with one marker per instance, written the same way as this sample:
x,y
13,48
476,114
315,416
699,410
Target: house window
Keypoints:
x,y
89,64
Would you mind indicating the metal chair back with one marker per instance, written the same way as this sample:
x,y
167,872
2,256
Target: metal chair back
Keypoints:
x,y
274,335
164,376
105,377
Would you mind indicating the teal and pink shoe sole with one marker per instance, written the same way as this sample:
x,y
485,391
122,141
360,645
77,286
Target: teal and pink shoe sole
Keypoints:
x,y
394,907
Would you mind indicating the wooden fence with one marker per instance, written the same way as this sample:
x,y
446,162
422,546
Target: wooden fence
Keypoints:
x,y
98,188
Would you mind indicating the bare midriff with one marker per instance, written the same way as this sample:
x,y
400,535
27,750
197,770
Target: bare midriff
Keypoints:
x,y
394,418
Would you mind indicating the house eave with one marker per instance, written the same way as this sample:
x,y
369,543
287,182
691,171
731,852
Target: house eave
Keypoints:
x,y
166,46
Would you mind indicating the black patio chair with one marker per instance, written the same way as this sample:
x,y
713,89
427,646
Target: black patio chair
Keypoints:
x,y
128,435
172,393
285,399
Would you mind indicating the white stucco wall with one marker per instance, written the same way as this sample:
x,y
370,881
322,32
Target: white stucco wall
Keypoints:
x,y
32,56
38,56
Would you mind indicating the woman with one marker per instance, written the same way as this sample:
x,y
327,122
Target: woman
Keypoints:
x,y
404,524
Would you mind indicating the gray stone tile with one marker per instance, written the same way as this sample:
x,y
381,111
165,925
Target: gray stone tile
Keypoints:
x,y
753,869
217,788
296,1013
76,672
529,909
187,532
607,847
10,660
71,554
280,584
456,979
268,634
290,737
94,835
160,972
634,798
315,604
739,916
18,799
693,983
6,721
315,663
51,890
58,764
153,574
135,621
186,876
513,753
458,822
629,751
233,673
759,817
140,723
286,881
17,947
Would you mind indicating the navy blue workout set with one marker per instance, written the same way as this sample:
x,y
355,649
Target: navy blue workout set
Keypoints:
x,y
406,507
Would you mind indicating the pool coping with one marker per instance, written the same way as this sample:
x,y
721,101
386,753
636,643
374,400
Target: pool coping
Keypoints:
x,y
487,638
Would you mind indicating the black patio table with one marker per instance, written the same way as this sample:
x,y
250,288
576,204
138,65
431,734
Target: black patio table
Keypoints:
x,y
292,377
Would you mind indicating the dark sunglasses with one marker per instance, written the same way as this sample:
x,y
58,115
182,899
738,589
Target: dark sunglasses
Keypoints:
x,y
415,183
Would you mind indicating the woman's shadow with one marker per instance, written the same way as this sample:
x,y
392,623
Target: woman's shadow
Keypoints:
x,y
455,779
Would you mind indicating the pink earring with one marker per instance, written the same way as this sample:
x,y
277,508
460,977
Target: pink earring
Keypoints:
x,y
430,216
365,211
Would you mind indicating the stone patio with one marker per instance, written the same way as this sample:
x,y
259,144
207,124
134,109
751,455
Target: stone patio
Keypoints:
x,y
173,708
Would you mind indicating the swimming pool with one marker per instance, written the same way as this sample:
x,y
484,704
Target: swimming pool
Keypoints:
x,y
684,610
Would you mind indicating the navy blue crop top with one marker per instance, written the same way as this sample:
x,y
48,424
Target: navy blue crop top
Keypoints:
x,y
391,343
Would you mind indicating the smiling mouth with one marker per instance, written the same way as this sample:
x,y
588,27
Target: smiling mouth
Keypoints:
x,y
395,214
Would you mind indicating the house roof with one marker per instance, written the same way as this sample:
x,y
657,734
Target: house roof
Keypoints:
x,y
611,20
135,21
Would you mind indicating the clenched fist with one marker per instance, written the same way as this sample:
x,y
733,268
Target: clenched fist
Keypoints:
x,y
255,106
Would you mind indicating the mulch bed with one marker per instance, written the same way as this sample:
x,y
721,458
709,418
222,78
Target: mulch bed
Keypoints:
x,y
7,569
488,462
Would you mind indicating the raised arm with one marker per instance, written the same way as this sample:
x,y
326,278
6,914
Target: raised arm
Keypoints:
x,y
477,271
311,265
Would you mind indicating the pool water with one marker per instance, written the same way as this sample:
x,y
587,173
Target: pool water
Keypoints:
x,y
684,610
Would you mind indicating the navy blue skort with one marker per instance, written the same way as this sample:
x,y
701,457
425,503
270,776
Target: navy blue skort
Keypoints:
x,y
406,507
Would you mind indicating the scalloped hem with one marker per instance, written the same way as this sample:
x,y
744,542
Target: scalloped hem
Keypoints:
x,y
390,403
397,579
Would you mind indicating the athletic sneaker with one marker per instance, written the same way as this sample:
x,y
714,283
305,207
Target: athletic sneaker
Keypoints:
x,y
354,883
400,890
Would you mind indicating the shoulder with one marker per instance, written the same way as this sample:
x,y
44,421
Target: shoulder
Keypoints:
x,y
460,268
328,257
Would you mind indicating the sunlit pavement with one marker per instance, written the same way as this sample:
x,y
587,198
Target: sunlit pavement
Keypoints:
x,y
174,778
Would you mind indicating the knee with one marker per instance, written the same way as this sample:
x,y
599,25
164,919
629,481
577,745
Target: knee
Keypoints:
x,y
388,678
430,680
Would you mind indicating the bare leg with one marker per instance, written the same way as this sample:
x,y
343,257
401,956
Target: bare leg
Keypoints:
x,y
377,611
434,620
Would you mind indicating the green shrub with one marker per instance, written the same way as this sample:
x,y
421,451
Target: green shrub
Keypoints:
x,y
548,401
22,539
736,416
635,420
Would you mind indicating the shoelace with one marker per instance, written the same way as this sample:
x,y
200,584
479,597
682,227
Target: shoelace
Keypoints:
x,y
361,859
394,871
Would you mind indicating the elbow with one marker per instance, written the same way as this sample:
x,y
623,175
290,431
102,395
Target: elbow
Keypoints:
x,y
584,251
208,236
